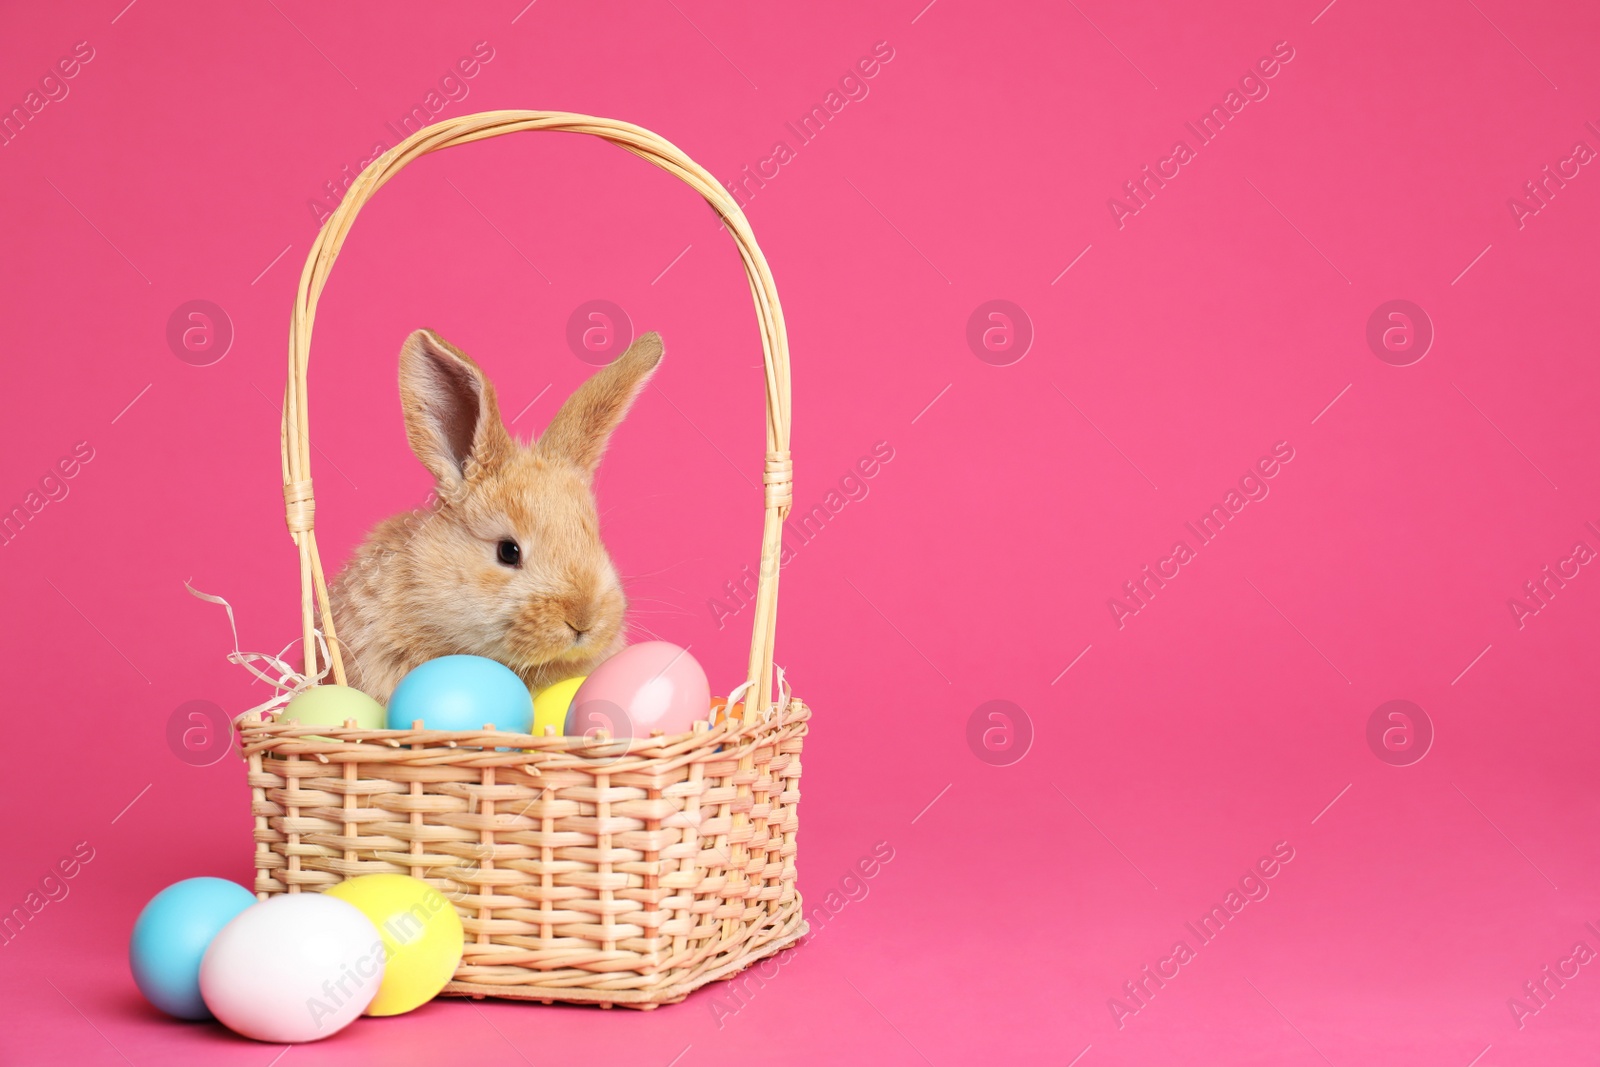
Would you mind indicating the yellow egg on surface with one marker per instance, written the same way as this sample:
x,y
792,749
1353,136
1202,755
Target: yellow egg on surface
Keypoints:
x,y
551,704
331,705
421,932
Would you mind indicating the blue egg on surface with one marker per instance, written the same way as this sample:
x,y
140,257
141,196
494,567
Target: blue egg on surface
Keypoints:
x,y
171,936
462,693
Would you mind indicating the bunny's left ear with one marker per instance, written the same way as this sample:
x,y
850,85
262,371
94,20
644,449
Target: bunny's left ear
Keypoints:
x,y
450,412
582,428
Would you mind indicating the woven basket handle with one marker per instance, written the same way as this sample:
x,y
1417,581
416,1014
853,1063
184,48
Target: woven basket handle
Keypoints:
x,y
777,474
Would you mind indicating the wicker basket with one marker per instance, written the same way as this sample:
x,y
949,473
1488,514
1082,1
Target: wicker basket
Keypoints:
x,y
611,871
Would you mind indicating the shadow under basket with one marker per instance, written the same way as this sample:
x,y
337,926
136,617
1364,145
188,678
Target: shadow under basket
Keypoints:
x,y
627,872
605,871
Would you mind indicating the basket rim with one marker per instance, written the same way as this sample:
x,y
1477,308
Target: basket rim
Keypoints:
x,y
482,748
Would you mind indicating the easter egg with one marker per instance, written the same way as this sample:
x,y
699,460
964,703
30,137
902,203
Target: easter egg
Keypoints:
x,y
421,936
462,693
332,705
296,967
171,936
551,704
719,710
651,686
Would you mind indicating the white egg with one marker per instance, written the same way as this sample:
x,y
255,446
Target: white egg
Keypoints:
x,y
293,968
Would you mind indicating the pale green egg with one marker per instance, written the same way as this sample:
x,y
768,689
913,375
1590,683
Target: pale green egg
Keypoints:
x,y
331,705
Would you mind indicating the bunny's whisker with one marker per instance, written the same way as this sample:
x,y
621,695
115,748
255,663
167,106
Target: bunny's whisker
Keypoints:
x,y
663,570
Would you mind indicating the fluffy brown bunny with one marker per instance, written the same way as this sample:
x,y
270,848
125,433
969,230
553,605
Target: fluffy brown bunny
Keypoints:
x,y
506,560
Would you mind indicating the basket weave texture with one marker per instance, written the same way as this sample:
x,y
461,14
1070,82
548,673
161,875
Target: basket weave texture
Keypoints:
x,y
622,871
627,872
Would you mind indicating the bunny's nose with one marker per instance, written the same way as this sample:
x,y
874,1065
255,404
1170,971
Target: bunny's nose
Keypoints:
x,y
578,631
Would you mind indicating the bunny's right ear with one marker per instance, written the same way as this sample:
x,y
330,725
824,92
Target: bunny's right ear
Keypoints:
x,y
580,430
452,419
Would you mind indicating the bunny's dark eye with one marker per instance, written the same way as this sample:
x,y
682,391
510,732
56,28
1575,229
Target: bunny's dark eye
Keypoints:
x,y
509,553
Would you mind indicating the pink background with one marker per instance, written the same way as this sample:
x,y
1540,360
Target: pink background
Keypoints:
x,y
1224,317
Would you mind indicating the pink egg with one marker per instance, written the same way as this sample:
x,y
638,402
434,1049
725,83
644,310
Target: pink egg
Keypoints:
x,y
652,686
